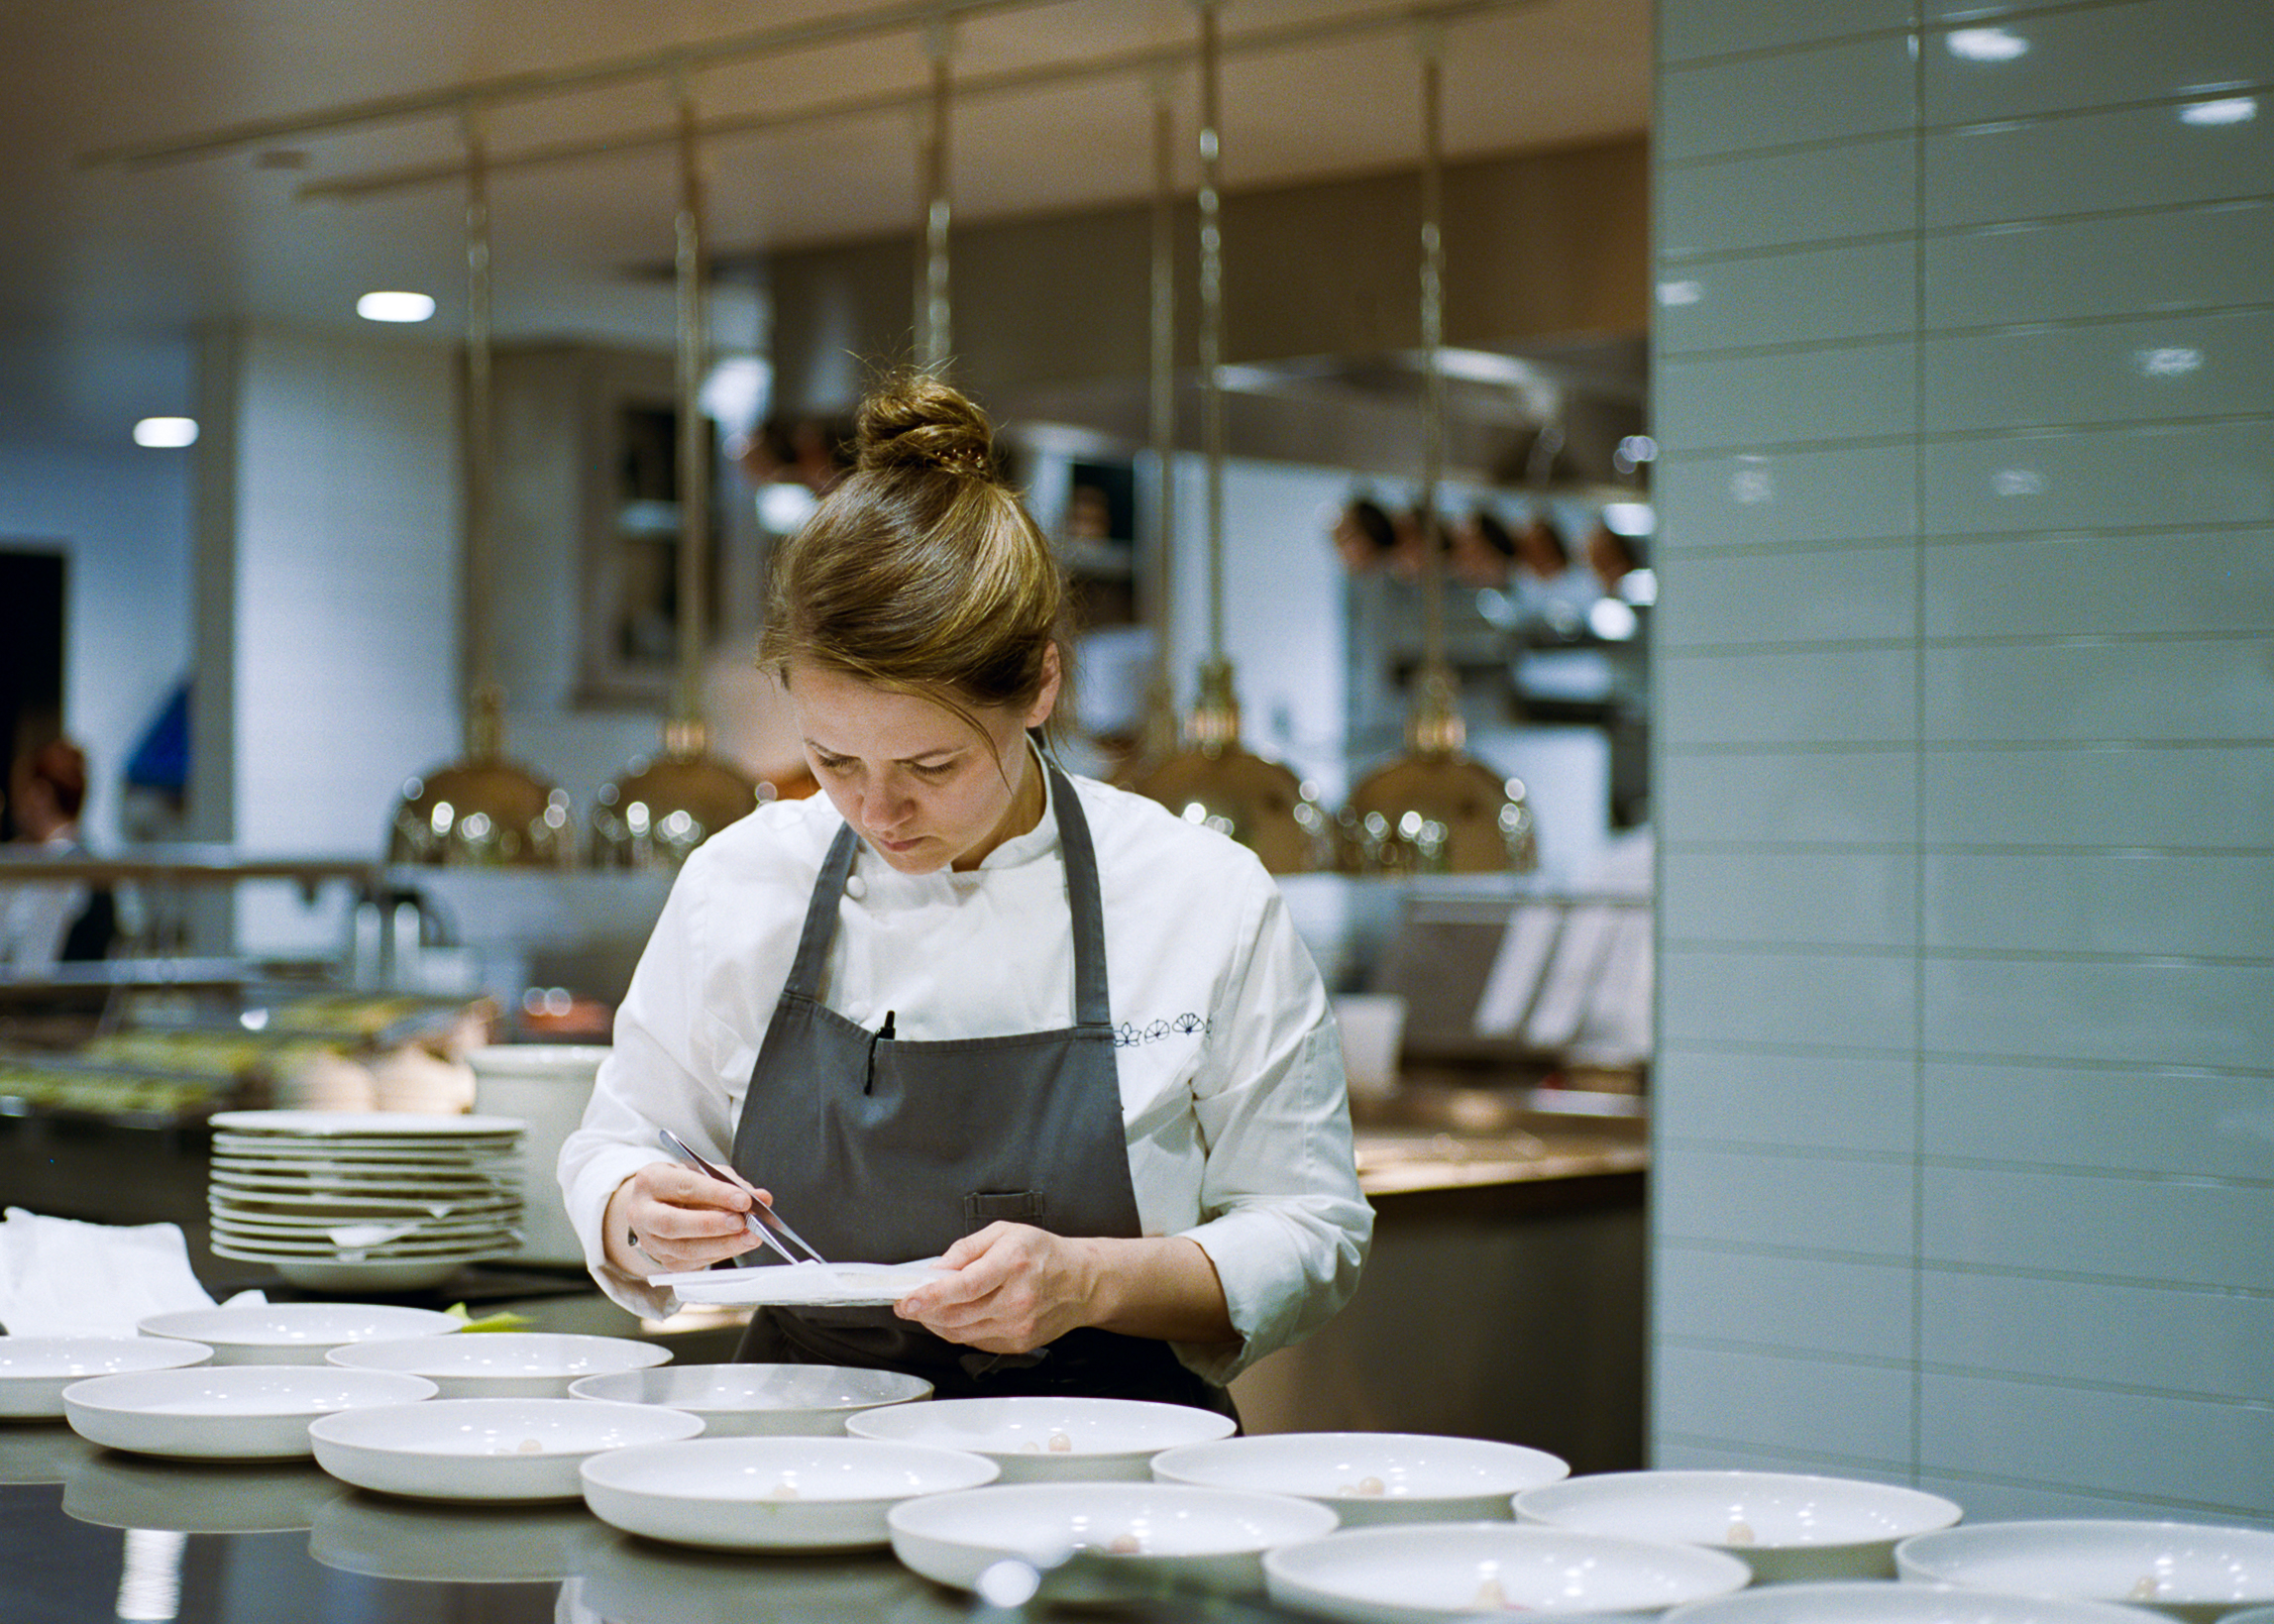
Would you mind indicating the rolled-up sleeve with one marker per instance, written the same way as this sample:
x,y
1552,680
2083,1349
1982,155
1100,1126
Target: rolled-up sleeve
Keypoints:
x,y
1283,1220
658,1074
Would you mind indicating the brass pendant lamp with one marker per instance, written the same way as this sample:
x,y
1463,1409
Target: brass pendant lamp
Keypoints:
x,y
1214,780
665,805
482,811
1436,809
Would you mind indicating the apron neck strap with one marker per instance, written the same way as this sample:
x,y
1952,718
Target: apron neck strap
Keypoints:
x,y
1093,1004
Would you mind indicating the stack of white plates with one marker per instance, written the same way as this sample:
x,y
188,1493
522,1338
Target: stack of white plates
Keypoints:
x,y
365,1201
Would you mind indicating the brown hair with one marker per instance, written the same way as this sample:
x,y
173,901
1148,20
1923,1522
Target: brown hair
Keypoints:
x,y
63,767
922,572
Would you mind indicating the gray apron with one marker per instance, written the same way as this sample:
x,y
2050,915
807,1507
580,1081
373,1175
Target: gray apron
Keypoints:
x,y
883,1150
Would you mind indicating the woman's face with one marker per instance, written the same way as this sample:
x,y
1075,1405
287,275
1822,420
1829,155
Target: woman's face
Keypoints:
x,y
917,781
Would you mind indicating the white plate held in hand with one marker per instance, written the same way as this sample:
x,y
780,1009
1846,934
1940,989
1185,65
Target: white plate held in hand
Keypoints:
x,y
803,1285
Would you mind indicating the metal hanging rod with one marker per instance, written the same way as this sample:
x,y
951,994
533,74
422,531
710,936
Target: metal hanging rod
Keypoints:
x,y
781,39
1137,63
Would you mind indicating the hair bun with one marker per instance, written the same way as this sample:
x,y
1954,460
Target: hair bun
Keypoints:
x,y
915,420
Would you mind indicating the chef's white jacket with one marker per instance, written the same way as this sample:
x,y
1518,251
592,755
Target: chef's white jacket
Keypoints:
x,y
1230,1065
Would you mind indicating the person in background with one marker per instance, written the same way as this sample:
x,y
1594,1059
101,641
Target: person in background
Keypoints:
x,y
964,1005
44,921
1483,552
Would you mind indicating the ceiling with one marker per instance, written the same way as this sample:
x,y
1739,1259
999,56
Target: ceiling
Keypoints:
x,y
110,266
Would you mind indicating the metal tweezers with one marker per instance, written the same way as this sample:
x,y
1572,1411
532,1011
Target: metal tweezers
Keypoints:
x,y
761,1219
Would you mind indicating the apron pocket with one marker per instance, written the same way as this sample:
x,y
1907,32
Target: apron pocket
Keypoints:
x,y
984,1206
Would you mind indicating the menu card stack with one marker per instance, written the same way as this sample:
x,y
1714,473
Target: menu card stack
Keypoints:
x,y
365,1201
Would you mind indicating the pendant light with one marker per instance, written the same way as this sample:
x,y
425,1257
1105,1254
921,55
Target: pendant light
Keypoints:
x,y
1157,736
1214,780
932,301
482,811
1436,809
665,805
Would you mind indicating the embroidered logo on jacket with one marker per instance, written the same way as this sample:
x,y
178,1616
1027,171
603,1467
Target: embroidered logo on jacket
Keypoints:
x,y
1128,1035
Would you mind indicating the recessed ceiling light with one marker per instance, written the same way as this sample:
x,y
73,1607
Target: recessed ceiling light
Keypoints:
x,y
2225,110
168,432
387,306
1986,45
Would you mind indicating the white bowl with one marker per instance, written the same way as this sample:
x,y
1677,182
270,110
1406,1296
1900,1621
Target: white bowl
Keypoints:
x,y
485,1449
35,1370
1371,1478
1413,1573
1035,1438
1784,1526
114,1491
2187,1570
227,1412
771,1493
1206,1537
1863,1603
2249,1615
294,1332
760,1400
462,1544
502,1363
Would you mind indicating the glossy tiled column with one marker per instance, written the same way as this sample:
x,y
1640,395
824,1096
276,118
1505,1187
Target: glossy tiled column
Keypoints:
x,y
1965,388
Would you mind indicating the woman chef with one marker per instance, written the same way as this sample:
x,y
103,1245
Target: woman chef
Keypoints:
x,y
963,1004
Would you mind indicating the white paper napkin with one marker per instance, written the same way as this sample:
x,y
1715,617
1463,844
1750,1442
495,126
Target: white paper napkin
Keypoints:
x,y
59,1278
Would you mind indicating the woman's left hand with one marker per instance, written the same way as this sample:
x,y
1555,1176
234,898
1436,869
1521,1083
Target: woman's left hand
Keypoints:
x,y
1015,1288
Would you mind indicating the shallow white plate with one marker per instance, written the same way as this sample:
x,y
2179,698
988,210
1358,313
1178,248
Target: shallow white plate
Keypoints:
x,y
2185,1570
1033,1439
386,1127
771,1493
407,1245
812,1285
114,1491
504,1363
1784,1526
35,1370
368,1275
294,1332
382,1537
1373,1478
1207,1537
1868,1603
227,1412
484,1449
760,1400
323,1209
1418,1574
353,1232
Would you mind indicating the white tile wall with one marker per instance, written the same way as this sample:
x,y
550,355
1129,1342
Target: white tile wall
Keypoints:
x,y
1851,88
2188,258
2143,1119
2175,795
1857,188
1860,797
1815,1101
1849,1206
1850,391
1967,754
1812,1305
1857,291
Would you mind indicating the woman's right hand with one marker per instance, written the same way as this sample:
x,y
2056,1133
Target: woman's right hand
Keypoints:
x,y
668,1219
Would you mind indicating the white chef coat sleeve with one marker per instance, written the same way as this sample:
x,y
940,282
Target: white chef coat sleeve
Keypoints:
x,y
661,1073
1282,1218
